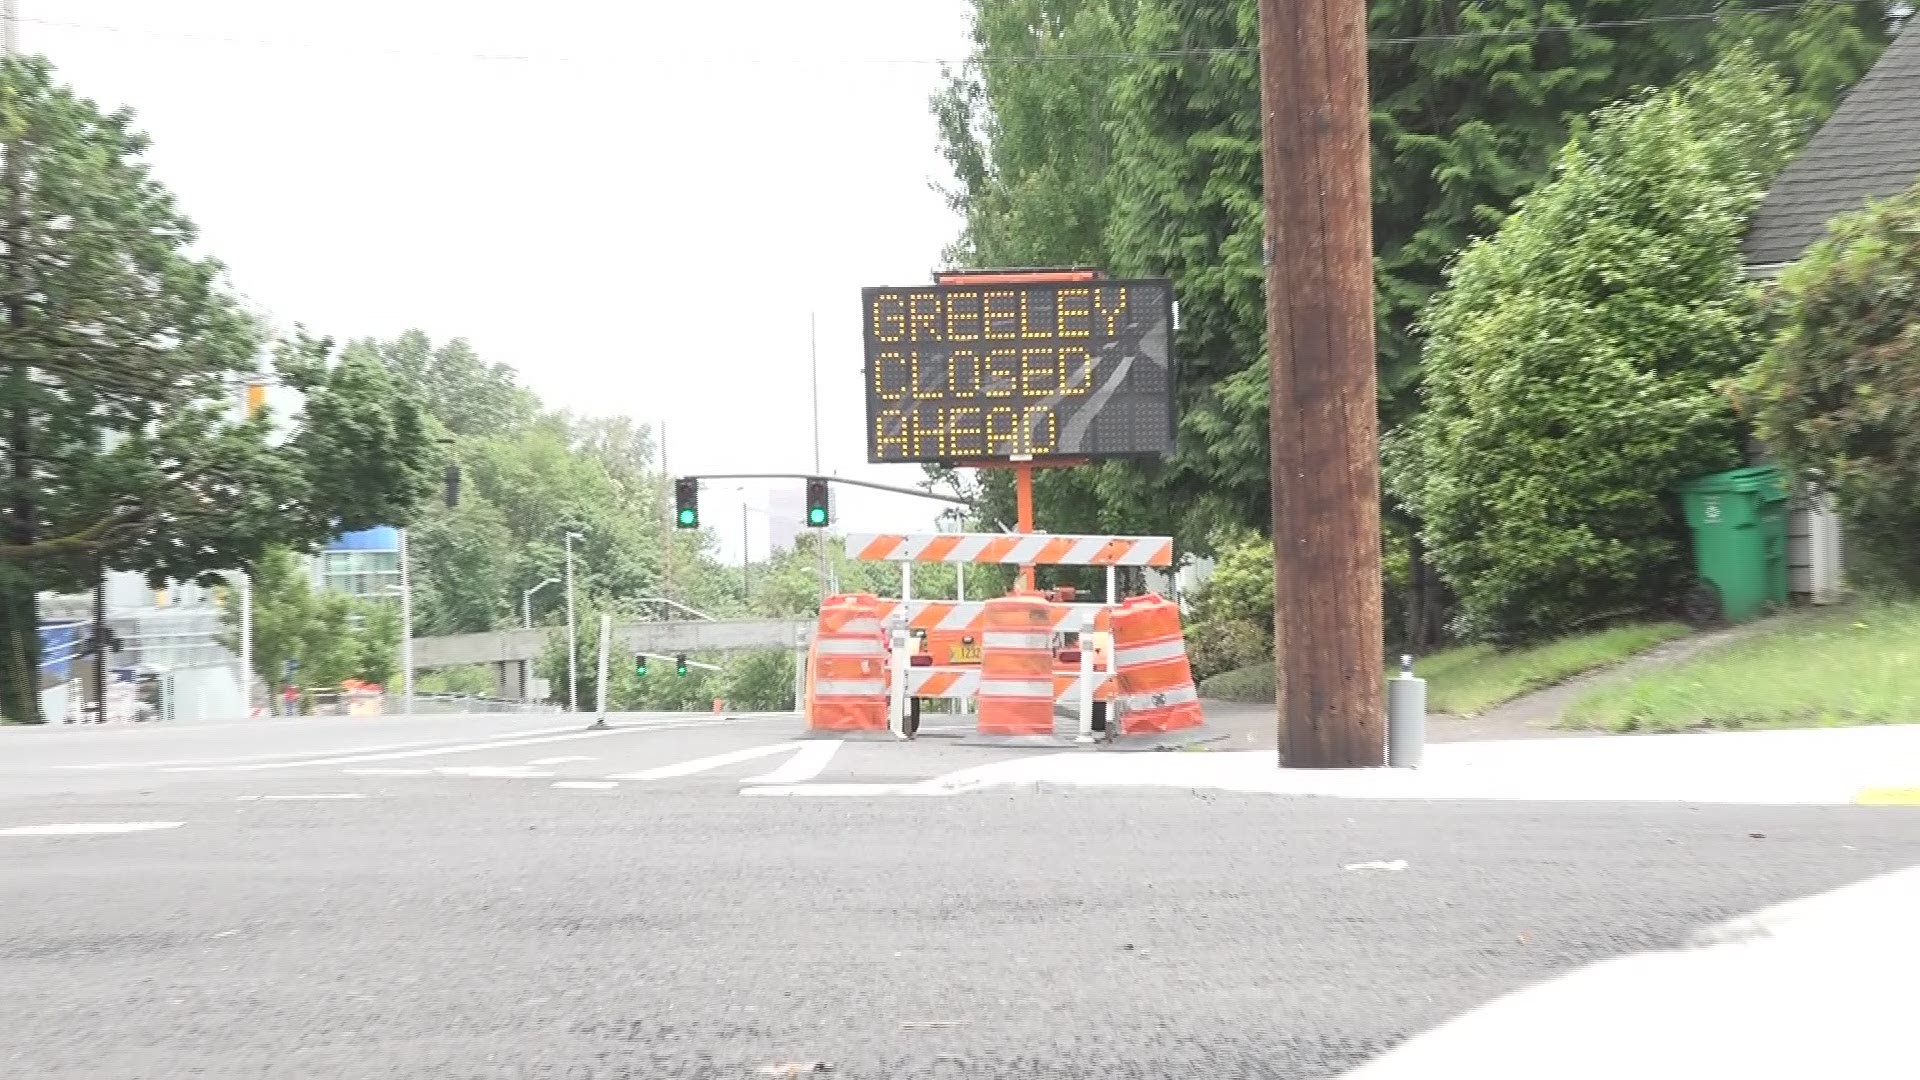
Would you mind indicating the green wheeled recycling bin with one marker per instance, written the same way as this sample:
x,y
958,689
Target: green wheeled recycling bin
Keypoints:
x,y
1739,523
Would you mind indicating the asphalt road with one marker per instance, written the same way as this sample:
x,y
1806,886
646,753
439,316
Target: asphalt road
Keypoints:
x,y
482,923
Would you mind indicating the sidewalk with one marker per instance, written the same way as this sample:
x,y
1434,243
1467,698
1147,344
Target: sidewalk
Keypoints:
x,y
1815,988
1820,767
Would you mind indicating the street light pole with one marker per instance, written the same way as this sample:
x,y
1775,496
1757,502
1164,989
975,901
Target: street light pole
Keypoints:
x,y
526,602
246,643
813,363
406,630
573,652
526,619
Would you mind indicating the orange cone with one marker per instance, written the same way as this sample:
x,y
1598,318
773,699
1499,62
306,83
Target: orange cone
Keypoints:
x,y
1157,694
847,667
1016,666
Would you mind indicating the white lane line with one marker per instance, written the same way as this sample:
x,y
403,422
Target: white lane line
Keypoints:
x,y
386,772
700,765
801,767
557,760
90,828
332,796
495,772
436,751
284,756
586,785
829,790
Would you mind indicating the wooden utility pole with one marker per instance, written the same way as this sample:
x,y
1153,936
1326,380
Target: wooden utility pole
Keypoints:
x,y
1329,645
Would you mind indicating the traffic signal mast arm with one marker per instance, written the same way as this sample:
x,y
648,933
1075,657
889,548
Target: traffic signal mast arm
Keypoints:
x,y
954,499
676,660
686,495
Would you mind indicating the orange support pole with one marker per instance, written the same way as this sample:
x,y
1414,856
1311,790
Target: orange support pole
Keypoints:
x,y
1023,505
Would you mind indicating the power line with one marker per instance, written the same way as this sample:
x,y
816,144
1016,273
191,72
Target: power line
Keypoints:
x,y
1515,34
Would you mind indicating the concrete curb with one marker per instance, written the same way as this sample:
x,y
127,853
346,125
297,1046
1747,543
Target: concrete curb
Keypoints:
x,y
1864,907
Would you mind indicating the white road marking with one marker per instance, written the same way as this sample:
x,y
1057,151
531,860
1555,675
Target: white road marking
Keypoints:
x,y
460,748
387,772
586,785
557,760
700,765
90,828
830,790
326,797
496,772
803,766
250,759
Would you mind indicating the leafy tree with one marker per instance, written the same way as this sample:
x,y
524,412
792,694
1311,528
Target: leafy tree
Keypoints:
x,y
326,636
1471,105
467,395
473,680
1837,395
118,357
1574,364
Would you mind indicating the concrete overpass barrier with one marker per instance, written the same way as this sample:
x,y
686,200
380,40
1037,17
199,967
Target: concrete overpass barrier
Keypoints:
x,y
669,638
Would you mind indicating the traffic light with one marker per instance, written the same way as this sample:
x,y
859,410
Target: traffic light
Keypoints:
x,y
450,486
640,665
680,666
686,501
816,503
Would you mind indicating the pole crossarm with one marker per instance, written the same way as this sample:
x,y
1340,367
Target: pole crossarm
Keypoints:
x,y
1038,549
937,497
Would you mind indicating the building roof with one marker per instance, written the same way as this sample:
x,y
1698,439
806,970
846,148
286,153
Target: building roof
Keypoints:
x,y
1868,149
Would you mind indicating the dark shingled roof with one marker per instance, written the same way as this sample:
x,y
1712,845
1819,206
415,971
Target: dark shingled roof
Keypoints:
x,y
1868,149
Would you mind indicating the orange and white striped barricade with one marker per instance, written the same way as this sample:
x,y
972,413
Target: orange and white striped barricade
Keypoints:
x,y
847,680
970,616
1013,549
1157,695
1016,669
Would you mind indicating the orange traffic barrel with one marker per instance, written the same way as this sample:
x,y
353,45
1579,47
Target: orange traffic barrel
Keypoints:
x,y
1150,657
847,667
1016,666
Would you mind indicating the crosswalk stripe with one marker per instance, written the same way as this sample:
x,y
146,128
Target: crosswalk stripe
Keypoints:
x,y
700,765
801,767
460,748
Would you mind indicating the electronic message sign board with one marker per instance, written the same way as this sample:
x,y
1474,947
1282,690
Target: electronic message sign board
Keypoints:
x,y
1019,370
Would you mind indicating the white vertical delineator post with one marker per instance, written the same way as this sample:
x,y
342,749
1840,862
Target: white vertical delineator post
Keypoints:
x,y
899,659
606,650
1406,718
960,594
1086,680
800,676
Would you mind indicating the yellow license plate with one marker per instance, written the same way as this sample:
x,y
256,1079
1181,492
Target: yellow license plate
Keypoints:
x,y
963,654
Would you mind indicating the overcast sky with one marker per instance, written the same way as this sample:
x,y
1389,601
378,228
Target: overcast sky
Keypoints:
x,y
637,205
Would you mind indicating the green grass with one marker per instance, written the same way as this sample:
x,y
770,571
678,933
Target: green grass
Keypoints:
x,y
1248,685
1474,678
1828,670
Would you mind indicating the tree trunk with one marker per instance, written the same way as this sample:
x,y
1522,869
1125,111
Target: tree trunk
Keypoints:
x,y
19,648
1426,602
19,610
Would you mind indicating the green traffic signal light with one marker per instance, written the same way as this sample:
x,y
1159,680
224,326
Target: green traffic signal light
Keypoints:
x,y
640,666
818,505
680,666
686,502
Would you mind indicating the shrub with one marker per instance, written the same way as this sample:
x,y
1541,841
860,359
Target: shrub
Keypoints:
x,y
1575,362
1837,396
1214,647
